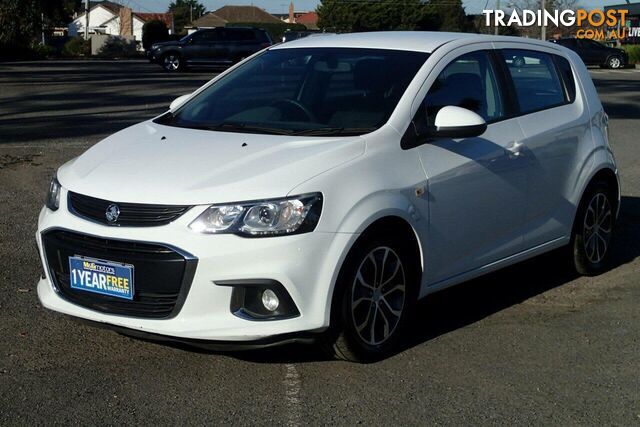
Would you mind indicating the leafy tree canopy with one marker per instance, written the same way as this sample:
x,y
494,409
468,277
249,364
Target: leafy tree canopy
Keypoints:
x,y
384,15
183,10
154,31
21,20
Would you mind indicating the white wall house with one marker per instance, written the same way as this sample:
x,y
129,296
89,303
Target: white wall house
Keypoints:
x,y
99,16
106,18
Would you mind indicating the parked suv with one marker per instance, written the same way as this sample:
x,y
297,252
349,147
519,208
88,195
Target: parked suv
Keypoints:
x,y
209,47
317,190
593,53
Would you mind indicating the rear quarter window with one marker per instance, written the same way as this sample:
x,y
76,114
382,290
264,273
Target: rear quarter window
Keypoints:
x,y
564,67
535,79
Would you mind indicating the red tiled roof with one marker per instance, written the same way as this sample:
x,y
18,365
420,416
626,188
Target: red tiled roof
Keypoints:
x,y
245,14
167,18
208,21
307,18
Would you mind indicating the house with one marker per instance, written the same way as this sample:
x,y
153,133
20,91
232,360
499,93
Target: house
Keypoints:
x,y
110,18
245,14
209,20
308,19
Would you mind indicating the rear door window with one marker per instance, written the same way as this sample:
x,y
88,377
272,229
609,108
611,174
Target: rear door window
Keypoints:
x,y
535,79
209,36
239,35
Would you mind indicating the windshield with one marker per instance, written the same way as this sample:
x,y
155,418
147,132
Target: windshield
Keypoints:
x,y
304,91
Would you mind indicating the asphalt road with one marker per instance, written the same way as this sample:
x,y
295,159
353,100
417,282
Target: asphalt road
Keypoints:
x,y
529,345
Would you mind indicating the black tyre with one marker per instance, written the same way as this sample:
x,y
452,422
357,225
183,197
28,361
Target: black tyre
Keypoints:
x,y
374,299
593,230
614,62
172,62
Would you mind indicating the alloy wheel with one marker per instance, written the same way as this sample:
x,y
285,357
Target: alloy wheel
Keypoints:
x,y
172,62
615,62
378,295
598,223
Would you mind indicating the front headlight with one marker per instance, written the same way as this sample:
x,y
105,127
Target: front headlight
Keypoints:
x,y
53,197
291,215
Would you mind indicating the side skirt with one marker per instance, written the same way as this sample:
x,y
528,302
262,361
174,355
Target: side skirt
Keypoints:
x,y
496,265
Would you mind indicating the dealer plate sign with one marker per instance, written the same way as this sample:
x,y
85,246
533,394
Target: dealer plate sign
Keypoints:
x,y
101,277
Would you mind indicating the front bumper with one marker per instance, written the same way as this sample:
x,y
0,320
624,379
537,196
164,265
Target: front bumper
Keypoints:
x,y
211,345
153,56
305,264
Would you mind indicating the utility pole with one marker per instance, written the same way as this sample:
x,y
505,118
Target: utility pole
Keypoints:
x,y
86,19
543,29
191,10
495,24
42,21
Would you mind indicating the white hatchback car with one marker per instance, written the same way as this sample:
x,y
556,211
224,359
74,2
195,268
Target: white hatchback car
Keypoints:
x,y
321,187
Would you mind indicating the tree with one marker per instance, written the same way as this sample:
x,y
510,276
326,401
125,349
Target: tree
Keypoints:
x,y
154,31
21,22
451,15
382,15
550,5
184,11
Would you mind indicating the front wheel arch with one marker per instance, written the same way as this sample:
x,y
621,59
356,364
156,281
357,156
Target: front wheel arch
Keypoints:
x,y
394,228
169,53
610,57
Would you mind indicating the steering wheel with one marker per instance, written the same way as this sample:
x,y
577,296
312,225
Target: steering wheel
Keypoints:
x,y
287,103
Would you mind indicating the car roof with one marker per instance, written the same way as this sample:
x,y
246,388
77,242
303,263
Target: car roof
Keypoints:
x,y
418,41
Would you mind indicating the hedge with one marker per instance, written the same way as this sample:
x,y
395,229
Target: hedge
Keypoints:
x,y
77,46
634,53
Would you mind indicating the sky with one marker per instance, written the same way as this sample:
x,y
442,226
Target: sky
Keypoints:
x,y
282,6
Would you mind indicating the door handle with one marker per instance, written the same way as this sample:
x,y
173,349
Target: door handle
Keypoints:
x,y
514,150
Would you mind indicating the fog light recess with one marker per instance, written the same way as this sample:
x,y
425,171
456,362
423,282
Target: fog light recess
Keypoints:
x,y
260,299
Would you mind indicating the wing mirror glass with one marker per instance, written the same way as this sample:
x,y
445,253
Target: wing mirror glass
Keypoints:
x,y
178,101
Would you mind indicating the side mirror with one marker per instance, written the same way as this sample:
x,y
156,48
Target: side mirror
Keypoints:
x,y
458,122
178,101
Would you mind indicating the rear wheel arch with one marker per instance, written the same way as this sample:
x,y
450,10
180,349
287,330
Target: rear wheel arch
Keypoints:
x,y
593,227
606,175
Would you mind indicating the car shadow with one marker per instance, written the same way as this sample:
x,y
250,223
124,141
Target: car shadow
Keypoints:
x,y
472,301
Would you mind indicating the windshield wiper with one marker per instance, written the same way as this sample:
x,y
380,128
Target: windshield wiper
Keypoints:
x,y
335,131
241,127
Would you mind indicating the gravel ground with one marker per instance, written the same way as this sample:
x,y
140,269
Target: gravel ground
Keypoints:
x,y
532,344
